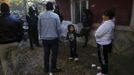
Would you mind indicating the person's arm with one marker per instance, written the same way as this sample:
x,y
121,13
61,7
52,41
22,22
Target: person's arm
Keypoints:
x,y
58,25
104,28
28,19
39,26
77,35
20,29
67,37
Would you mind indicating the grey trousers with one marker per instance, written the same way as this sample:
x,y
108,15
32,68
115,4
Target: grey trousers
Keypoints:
x,y
5,51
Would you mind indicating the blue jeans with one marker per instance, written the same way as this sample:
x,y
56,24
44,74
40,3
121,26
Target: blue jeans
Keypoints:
x,y
51,47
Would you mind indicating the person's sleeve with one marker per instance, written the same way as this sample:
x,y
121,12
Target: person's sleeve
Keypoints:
x,y
67,36
77,34
39,26
58,26
27,19
102,30
20,30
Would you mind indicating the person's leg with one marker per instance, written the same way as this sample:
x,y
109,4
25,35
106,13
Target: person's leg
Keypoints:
x,y
110,47
106,49
47,47
36,40
86,37
103,58
55,48
4,60
75,55
99,53
5,67
71,51
14,52
30,40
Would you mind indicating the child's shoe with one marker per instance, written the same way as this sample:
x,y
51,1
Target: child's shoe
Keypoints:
x,y
101,73
70,58
76,59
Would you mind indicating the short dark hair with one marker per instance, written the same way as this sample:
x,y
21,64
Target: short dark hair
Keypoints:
x,y
31,11
4,8
69,26
49,6
109,13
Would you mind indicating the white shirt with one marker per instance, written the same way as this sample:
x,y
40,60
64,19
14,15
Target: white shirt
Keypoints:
x,y
104,34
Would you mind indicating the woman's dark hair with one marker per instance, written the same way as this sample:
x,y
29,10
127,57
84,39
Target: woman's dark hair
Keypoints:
x,y
49,6
69,26
5,8
109,13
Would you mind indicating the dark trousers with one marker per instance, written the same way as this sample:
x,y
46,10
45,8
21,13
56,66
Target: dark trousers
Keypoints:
x,y
33,38
103,51
50,53
73,52
85,33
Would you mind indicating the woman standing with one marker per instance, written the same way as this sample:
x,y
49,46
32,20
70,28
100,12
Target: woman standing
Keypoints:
x,y
104,37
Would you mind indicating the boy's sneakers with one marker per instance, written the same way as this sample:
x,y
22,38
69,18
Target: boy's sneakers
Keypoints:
x,y
101,73
76,59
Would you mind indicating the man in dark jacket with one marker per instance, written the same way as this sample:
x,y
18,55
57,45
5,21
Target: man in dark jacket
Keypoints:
x,y
10,34
57,11
87,20
32,20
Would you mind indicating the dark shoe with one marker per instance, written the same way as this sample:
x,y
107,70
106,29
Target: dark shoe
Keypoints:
x,y
38,45
46,71
84,46
56,70
31,48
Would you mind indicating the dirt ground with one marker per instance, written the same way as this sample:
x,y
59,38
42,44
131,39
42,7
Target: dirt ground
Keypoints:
x,y
30,62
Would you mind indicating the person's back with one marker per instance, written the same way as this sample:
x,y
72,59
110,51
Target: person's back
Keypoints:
x,y
10,28
87,18
57,11
50,25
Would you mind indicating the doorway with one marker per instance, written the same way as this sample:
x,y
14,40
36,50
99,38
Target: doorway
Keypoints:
x,y
77,7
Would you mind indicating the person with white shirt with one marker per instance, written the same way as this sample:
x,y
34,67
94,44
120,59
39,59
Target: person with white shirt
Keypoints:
x,y
104,37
